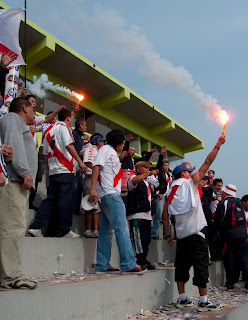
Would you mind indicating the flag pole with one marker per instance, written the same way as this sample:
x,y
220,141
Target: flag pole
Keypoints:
x,y
25,41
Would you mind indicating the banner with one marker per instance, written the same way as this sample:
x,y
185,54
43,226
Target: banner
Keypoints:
x,y
9,34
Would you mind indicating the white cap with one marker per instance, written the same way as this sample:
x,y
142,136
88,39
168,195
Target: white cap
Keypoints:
x,y
230,189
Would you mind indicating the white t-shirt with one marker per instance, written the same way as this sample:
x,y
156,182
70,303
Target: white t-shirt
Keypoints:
x,y
90,153
140,215
59,159
110,171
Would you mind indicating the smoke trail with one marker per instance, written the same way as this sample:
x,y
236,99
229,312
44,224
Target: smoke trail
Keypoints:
x,y
41,85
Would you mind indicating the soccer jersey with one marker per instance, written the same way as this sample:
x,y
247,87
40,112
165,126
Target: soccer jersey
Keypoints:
x,y
90,153
38,120
55,142
110,174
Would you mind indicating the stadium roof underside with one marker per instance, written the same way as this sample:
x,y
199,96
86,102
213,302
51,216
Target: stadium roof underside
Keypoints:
x,y
106,96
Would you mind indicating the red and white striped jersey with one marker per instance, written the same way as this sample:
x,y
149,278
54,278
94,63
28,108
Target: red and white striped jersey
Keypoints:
x,y
55,142
110,171
90,153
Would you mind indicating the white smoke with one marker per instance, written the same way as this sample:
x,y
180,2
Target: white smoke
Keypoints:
x,y
41,85
132,44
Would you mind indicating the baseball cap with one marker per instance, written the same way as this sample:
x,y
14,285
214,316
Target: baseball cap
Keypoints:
x,y
96,139
181,168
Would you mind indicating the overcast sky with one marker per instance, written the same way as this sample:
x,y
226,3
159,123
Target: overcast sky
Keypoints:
x,y
164,50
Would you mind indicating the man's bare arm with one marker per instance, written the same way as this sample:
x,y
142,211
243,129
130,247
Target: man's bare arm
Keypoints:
x,y
95,174
196,177
166,223
71,149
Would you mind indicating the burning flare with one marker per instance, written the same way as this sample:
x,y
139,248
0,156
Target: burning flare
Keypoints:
x,y
223,118
78,96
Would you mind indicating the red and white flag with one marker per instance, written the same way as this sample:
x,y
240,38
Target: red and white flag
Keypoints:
x,y
9,34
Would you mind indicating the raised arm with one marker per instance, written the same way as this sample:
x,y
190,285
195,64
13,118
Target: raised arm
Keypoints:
x,y
196,177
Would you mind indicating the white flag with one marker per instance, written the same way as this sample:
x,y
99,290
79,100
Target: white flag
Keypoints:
x,y
9,34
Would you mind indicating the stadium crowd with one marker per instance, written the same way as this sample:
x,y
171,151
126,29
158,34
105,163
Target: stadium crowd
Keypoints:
x,y
124,194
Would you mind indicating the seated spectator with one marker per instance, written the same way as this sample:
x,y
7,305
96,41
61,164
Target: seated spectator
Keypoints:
x,y
139,212
90,152
59,154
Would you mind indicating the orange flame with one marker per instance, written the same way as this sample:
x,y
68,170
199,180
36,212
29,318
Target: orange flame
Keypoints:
x,y
78,96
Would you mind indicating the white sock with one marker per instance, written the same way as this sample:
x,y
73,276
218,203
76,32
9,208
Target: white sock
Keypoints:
x,y
182,296
204,299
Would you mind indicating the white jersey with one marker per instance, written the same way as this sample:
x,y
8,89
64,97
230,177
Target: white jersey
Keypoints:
x,y
90,153
189,218
38,120
55,142
109,180
140,215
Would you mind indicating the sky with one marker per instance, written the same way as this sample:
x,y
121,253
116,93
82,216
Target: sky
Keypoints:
x,y
186,57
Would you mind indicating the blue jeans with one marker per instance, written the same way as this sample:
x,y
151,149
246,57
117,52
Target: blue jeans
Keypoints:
x,y
113,218
159,207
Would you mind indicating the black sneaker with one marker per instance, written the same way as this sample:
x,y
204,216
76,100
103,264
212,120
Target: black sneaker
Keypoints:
x,y
208,306
184,303
149,266
136,270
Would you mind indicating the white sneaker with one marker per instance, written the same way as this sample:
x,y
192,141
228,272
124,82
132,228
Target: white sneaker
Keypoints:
x,y
89,234
35,233
95,233
72,235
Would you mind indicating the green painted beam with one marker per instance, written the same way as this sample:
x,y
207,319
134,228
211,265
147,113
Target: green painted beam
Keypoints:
x,y
114,99
40,51
193,147
144,145
164,127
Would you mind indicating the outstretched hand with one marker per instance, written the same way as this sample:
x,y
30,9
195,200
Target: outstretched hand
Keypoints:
x,y
7,58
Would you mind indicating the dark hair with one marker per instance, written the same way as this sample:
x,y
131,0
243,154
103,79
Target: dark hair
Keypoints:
x,y
244,198
16,105
165,161
205,178
63,114
78,122
143,153
29,96
115,137
50,112
211,171
217,180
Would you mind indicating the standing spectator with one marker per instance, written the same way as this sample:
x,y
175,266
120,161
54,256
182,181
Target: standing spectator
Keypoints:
x,y
217,188
78,132
6,155
14,196
184,203
211,175
59,154
164,178
139,213
90,152
231,221
106,186
38,121
244,201
6,59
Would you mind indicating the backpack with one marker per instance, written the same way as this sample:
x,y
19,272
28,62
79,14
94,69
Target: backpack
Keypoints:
x,y
234,213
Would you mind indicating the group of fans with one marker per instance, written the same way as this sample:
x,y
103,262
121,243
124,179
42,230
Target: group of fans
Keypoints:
x,y
121,188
